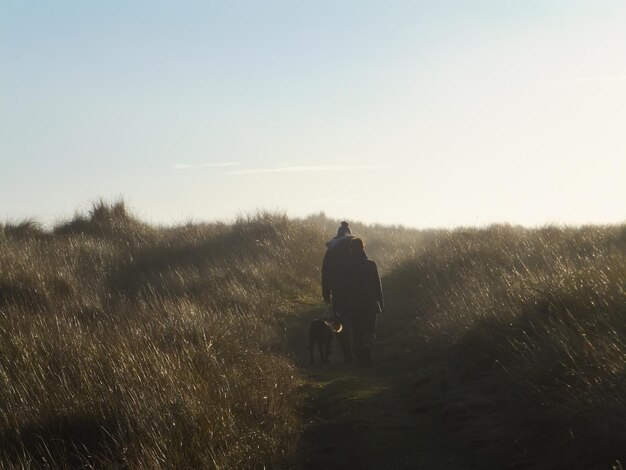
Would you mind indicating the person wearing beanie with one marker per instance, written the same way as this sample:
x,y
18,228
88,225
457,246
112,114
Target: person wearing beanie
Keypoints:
x,y
333,282
344,229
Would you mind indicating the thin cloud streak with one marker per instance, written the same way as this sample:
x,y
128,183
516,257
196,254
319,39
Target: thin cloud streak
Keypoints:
x,y
303,169
325,200
206,165
584,80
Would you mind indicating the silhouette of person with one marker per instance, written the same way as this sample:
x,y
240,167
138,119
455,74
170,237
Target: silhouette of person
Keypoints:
x,y
334,285
362,301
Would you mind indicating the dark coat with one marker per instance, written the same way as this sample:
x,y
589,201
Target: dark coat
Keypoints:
x,y
333,272
363,292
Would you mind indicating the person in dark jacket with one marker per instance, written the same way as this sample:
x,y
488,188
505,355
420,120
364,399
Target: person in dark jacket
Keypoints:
x,y
363,300
333,282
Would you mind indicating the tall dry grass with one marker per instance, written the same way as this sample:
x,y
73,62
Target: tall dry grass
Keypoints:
x,y
126,345
529,330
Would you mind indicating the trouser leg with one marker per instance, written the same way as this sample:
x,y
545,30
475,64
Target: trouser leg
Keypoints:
x,y
358,339
345,340
368,338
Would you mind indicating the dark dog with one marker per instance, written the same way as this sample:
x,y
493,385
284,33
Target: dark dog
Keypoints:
x,y
321,333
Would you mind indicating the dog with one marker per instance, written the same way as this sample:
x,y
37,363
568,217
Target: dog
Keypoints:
x,y
321,332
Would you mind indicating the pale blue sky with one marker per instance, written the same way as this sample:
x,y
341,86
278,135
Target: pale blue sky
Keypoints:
x,y
426,114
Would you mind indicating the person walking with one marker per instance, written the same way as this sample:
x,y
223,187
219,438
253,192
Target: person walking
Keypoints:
x,y
334,283
363,300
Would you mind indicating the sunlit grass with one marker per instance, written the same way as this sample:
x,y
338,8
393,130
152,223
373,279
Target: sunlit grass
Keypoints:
x,y
129,345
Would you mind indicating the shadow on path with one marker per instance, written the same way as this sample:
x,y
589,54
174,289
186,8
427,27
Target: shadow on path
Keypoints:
x,y
385,417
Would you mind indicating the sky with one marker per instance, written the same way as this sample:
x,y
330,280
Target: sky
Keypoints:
x,y
421,113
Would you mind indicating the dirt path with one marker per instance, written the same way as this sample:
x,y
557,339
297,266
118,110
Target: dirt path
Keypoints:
x,y
386,417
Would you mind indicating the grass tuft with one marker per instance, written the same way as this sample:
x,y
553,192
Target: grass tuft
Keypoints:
x,y
112,221
29,228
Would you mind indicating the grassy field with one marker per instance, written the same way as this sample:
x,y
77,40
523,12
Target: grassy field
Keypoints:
x,y
134,346
500,348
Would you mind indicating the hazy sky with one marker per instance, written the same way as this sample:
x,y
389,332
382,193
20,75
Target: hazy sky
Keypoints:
x,y
422,113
